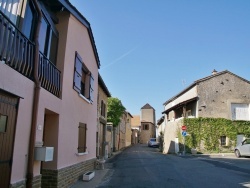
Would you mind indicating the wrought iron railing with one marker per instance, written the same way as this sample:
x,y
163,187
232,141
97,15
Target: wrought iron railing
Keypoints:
x,y
49,75
15,49
18,52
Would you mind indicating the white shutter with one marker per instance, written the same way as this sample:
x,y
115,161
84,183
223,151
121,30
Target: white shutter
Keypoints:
x,y
240,111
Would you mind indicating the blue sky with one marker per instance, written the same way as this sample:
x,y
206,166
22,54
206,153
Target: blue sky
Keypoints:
x,y
150,50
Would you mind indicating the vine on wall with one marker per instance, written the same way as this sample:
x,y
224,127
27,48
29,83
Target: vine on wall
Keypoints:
x,y
204,133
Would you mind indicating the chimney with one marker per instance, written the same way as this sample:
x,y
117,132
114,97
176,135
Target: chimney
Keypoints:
x,y
214,72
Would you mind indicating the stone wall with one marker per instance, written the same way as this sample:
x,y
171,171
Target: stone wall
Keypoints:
x,y
170,134
66,176
217,94
145,135
148,115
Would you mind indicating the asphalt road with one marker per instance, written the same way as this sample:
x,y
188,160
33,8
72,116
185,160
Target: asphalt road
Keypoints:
x,y
140,166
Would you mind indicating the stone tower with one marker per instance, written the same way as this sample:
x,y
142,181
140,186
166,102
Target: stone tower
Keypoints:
x,y
147,123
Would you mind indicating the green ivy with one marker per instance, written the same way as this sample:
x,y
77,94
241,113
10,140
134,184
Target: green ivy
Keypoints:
x,y
207,132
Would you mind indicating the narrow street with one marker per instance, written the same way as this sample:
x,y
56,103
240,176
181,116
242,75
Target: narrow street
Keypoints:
x,y
141,166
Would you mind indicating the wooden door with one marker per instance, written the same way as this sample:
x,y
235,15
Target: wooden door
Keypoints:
x,y
8,113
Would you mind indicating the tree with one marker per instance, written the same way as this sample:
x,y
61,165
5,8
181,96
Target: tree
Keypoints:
x,y
115,111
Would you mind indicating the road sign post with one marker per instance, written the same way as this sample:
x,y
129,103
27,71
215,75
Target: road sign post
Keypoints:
x,y
184,134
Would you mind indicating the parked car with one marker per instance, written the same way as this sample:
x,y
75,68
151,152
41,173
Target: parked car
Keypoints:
x,y
153,143
243,149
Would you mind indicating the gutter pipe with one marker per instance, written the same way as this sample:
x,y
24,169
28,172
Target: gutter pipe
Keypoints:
x,y
36,97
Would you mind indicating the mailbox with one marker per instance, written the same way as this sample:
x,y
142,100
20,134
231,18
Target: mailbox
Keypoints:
x,y
44,153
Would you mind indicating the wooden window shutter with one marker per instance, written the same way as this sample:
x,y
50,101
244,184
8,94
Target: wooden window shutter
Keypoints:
x,y
91,88
78,73
82,137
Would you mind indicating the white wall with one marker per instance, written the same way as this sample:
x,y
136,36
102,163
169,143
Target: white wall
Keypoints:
x,y
186,96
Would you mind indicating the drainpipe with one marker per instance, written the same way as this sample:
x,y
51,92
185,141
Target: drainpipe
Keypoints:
x,y
36,96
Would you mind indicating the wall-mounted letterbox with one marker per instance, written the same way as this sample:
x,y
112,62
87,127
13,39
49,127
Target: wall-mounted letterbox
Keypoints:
x,y
44,153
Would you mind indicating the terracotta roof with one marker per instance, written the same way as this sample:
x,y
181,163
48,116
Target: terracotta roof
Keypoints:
x,y
147,106
136,120
202,80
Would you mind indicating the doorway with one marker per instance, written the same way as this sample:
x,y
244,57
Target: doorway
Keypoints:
x,y
8,114
50,139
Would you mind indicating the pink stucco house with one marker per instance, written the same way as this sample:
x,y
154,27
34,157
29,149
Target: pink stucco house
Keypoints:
x,y
48,94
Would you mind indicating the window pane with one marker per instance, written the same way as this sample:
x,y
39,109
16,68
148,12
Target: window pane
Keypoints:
x,y
3,123
43,36
248,141
53,48
28,22
82,88
223,140
10,9
87,86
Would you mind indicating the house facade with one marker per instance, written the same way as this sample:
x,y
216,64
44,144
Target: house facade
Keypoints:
x,y
48,90
143,126
122,133
102,144
160,127
220,95
136,127
148,125
128,130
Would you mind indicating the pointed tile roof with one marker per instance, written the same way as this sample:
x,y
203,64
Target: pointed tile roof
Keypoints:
x,y
147,106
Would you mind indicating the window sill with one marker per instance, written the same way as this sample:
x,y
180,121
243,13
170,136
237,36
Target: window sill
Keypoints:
x,y
80,154
84,98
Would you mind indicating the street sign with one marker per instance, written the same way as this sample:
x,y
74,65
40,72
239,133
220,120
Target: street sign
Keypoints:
x,y
183,127
184,133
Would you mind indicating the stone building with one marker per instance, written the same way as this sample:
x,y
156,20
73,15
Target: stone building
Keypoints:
x,y
101,142
128,130
121,134
145,124
220,95
135,127
148,123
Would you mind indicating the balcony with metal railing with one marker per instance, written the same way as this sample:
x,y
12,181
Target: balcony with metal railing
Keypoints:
x,y
49,75
18,52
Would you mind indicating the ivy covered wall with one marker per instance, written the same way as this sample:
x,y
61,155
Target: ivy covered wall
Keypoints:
x,y
204,133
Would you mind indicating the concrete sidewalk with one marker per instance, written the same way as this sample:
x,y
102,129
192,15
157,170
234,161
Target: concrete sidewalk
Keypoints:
x,y
99,175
